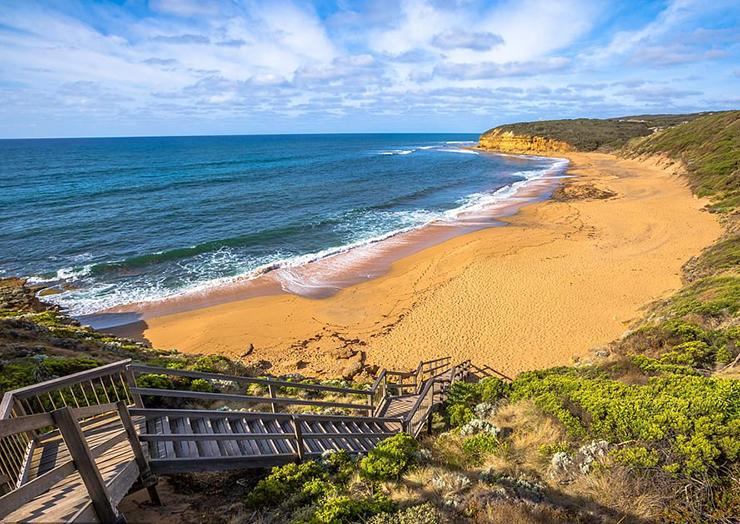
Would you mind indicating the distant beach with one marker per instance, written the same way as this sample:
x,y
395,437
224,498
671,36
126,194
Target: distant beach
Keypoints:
x,y
564,275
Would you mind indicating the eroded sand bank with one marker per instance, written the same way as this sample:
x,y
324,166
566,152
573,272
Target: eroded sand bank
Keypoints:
x,y
563,277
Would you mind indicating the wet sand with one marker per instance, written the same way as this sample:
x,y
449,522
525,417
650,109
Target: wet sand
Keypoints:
x,y
560,278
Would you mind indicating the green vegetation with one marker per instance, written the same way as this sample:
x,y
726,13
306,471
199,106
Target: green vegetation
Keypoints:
x,y
389,459
463,397
590,134
338,489
692,421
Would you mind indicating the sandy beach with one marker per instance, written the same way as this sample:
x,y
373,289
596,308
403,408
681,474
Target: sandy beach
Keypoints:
x,y
563,276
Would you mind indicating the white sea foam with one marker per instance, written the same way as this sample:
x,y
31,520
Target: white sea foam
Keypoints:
x,y
398,152
67,274
457,150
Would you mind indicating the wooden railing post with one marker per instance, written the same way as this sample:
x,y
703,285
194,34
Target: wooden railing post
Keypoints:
x,y
271,389
131,380
298,438
85,464
146,478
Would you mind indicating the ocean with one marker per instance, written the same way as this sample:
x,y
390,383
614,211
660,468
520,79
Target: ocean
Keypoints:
x,y
107,222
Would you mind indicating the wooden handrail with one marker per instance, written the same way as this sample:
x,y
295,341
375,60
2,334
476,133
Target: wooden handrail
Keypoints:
x,y
149,413
74,378
177,393
138,368
14,426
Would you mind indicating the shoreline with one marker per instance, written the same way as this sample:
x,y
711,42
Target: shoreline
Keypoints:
x,y
323,276
563,277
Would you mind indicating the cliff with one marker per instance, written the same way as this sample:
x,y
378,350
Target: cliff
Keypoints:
x,y
508,142
580,134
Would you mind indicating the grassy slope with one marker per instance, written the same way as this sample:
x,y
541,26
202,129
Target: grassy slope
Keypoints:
x,y
590,134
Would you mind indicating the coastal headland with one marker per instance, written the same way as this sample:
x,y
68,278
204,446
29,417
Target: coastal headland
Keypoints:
x,y
563,276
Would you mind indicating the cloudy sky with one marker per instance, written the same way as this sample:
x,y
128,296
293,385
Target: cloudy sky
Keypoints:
x,y
164,67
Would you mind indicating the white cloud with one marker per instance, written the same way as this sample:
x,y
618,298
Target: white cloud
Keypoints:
x,y
495,70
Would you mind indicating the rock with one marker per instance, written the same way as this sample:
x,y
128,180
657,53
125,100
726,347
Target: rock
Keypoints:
x,y
14,294
603,353
342,352
262,364
352,369
572,191
296,364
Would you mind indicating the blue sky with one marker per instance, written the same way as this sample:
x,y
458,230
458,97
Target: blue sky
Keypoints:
x,y
171,67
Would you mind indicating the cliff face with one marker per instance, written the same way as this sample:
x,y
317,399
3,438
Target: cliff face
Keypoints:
x,y
508,142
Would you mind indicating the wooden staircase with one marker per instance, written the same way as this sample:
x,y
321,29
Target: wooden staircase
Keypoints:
x,y
71,448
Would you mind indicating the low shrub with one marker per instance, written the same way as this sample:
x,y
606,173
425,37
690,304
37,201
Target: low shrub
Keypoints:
x,y
480,445
201,385
463,397
637,457
345,509
548,450
389,459
286,480
695,420
421,514
155,382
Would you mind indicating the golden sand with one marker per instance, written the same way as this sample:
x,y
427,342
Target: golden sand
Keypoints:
x,y
562,277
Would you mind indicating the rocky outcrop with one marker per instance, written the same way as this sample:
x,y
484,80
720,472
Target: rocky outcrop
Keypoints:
x,y
14,294
508,142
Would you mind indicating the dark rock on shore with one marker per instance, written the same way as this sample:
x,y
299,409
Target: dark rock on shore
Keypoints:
x,y
15,294
569,192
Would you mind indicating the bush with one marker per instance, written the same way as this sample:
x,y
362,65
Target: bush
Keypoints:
x,y
213,364
421,514
548,450
462,398
284,481
201,385
346,510
480,445
694,418
459,415
636,457
389,459
60,366
494,389
155,382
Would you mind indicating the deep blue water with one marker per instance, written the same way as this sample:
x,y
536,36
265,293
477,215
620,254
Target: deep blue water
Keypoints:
x,y
122,220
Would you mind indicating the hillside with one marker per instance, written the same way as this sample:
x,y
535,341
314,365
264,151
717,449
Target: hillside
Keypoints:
x,y
708,147
581,134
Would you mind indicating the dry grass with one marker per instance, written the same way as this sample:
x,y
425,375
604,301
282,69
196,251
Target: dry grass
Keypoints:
x,y
620,492
519,513
530,429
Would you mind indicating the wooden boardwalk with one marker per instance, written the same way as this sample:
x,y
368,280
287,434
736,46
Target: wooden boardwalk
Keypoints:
x,y
72,448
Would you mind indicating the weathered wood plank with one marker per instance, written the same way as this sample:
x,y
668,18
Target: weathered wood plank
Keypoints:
x,y
14,426
206,447
85,463
197,464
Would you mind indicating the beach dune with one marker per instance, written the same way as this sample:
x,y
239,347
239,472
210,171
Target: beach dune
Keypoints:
x,y
563,276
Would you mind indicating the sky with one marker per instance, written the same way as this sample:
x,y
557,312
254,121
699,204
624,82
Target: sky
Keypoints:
x,y
204,67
